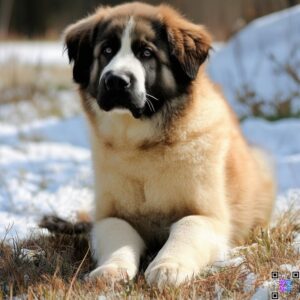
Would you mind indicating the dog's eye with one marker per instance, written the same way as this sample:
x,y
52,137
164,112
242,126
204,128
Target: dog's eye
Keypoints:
x,y
107,51
146,53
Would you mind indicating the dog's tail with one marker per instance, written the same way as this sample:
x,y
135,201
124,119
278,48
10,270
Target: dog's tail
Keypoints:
x,y
58,225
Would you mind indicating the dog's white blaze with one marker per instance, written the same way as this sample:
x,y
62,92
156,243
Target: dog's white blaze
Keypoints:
x,y
125,59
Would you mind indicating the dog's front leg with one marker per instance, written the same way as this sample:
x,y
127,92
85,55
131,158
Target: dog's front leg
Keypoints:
x,y
194,242
118,248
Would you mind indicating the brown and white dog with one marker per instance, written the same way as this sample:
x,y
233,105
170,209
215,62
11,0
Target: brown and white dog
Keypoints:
x,y
172,168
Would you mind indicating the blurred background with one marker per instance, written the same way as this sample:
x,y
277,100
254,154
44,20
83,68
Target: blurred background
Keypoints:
x,y
46,19
44,149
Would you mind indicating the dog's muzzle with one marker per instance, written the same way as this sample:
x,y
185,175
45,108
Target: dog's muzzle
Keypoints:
x,y
118,90
118,82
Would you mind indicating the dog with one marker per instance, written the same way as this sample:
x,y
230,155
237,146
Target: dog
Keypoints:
x,y
172,169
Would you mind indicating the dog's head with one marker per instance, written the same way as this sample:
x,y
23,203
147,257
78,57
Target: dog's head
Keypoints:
x,y
136,56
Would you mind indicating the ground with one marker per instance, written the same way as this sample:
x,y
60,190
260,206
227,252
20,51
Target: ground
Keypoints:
x,y
45,169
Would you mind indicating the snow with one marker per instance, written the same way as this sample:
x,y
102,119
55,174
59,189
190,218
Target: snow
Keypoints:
x,y
50,129
281,140
249,282
45,53
254,58
263,292
47,176
296,246
229,262
288,268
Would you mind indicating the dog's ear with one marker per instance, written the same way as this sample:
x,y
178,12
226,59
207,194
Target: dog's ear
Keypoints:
x,y
189,43
79,41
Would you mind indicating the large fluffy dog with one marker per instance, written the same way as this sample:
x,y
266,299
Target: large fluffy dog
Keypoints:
x,y
172,169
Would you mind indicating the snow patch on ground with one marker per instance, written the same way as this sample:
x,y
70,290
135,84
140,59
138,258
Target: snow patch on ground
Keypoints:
x,y
288,268
254,58
281,140
49,176
35,53
263,292
232,262
249,282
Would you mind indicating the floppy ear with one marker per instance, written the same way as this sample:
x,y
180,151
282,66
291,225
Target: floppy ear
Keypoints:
x,y
189,43
79,40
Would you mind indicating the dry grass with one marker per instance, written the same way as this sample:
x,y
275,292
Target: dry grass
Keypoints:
x,y
57,264
36,91
32,77
279,108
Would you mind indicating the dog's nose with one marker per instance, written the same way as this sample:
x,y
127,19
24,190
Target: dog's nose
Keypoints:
x,y
117,81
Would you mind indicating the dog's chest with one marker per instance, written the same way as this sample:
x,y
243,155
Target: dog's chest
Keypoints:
x,y
146,190
150,188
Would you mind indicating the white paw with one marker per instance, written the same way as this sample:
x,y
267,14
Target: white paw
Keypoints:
x,y
114,272
168,272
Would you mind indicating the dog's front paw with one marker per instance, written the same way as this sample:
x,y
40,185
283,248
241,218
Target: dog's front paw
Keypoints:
x,y
164,272
114,272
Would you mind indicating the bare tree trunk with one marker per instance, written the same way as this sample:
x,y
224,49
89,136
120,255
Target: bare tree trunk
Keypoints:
x,y
5,16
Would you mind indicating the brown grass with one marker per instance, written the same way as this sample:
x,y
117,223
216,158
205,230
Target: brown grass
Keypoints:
x,y
36,91
56,266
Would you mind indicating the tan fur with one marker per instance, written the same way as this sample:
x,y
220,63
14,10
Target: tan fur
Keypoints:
x,y
197,172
